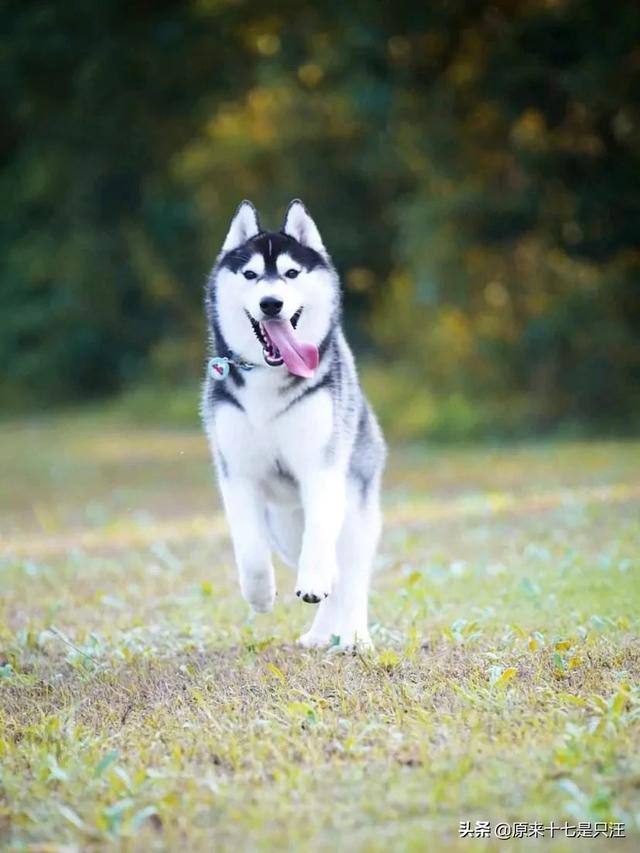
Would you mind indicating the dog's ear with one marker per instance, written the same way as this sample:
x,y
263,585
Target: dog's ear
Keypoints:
x,y
299,225
244,226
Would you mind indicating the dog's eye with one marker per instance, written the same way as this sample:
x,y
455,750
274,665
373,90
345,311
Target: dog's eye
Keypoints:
x,y
249,275
292,273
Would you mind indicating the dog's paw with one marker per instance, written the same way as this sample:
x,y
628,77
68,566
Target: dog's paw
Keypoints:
x,y
262,605
351,642
314,586
259,591
312,596
309,640
335,644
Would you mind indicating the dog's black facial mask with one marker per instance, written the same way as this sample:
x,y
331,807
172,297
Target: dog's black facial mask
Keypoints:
x,y
272,244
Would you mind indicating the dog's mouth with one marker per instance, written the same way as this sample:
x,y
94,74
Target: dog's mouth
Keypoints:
x,y
281,345
270,351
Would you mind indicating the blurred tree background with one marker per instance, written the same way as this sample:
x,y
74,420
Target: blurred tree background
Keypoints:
x,y
473,166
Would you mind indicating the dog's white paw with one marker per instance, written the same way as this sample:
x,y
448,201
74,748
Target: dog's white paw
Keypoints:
x,y
350,642
259,590
262,605
313,594
314,587
309,640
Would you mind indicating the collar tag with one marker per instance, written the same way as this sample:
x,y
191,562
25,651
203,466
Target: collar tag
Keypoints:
x,y
218,368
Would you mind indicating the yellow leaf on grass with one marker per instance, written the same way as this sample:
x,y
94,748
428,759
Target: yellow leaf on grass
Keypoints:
x,y
299,708
575,700
620,702
275,670
509,673
388,658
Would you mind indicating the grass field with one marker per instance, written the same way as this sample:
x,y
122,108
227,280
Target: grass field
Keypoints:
x,y
142,707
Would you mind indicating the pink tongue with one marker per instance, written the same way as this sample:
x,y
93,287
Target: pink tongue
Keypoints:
x,y
300,358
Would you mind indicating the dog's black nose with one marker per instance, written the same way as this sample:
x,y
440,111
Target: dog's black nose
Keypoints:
x,y
270,305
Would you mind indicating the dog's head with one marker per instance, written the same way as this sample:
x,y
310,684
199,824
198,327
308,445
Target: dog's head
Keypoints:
x,y
274,294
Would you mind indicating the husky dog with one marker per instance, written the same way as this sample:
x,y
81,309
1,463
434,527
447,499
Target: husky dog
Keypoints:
x,y
298,451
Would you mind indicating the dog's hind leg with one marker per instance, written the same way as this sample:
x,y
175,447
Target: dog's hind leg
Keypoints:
x,y
285,526
342,618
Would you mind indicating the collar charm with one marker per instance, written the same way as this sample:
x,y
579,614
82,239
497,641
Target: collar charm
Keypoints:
x,y
218,367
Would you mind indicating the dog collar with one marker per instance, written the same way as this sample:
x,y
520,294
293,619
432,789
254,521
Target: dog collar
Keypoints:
x,y
219,366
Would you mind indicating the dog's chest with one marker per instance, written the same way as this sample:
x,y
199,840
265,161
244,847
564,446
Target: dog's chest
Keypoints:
x,y
263,400
274,430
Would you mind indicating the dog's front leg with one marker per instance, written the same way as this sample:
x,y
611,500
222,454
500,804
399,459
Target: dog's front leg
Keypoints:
x,y
323,494
245,514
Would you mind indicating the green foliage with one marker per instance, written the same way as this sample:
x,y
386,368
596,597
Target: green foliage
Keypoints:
x,y
473,166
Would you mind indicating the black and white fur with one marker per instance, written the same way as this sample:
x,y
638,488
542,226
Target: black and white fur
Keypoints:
x,y
299,461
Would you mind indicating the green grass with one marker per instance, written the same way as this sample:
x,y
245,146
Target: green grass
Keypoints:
x,y
141,706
